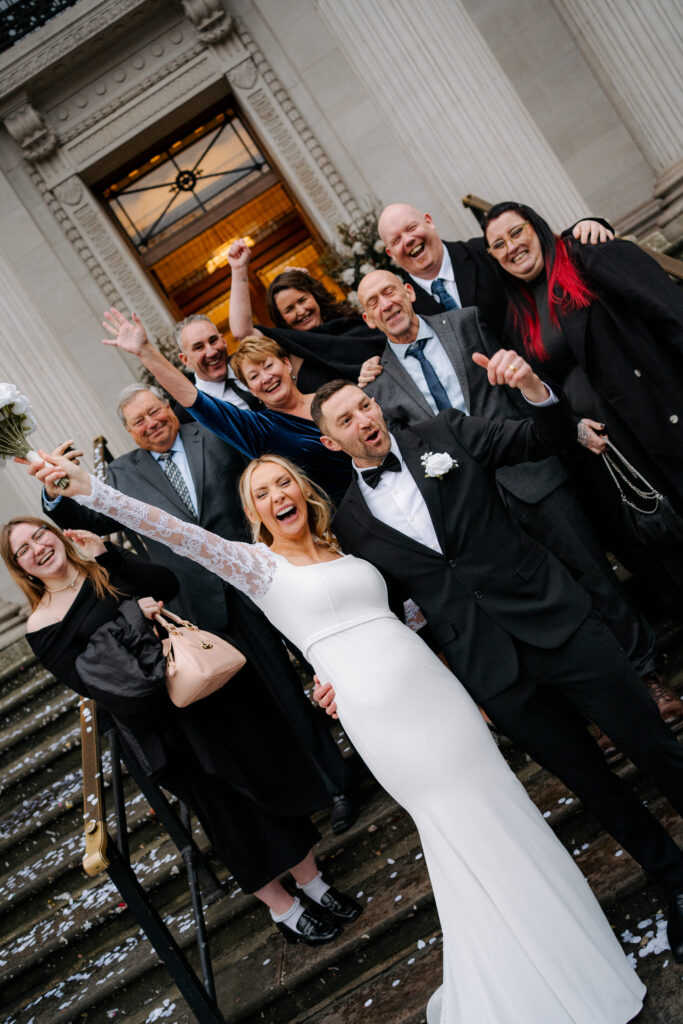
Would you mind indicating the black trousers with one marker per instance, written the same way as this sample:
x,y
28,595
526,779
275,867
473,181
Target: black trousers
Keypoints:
x,y
589,677
560,524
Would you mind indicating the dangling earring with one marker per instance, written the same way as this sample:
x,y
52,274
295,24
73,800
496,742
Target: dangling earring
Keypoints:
x,y
293,375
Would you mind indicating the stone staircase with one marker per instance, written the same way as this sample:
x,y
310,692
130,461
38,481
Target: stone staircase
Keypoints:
x,y
70,950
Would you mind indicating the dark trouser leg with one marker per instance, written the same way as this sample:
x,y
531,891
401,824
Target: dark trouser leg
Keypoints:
x,y
268,655
589,675
559,523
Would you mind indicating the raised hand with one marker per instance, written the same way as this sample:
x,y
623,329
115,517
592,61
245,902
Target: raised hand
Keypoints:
x,y
592,231
590,434
324,696
88,543
129,335
239,254
56,467
507,367
368,371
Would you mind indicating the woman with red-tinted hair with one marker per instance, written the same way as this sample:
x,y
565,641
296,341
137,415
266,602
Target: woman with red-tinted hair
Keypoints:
x,y
605,324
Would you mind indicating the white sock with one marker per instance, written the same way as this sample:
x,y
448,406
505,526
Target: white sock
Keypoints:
x,y
291,916
315,888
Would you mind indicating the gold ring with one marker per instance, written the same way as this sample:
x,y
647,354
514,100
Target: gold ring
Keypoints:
x,y
513,368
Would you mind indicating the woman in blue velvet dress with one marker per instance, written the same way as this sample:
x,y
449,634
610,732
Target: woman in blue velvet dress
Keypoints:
x,y
283,427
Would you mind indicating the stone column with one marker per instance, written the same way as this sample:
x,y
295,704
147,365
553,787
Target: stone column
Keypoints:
x,y
36,359
450,104
635,50
84,222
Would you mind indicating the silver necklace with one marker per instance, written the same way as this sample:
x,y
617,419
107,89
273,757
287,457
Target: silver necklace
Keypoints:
x,y
67,586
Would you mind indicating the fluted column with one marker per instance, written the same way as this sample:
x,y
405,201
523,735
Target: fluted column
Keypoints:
x,y
451,106
635,50
34,358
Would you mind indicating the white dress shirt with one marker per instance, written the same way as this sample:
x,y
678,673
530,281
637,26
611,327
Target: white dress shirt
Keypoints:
x,y
443,367
397,502
218,389
180,460
447,275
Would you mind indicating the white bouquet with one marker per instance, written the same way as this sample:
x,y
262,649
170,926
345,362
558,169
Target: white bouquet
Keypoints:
x,y
16,423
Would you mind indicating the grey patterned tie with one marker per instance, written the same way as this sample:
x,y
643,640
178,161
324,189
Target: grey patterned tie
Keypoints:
x,y
177,480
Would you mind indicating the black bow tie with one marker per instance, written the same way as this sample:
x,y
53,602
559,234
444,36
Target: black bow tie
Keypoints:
x,y
372,476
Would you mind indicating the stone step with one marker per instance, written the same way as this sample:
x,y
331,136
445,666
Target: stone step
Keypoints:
x,y
235,911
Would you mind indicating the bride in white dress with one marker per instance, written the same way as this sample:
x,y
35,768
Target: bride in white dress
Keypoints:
x,y
525,940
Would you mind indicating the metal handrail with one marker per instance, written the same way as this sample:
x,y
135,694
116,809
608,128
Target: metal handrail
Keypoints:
x,y
101,854
672,266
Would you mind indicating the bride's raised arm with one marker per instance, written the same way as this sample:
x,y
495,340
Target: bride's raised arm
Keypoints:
x,y
248,567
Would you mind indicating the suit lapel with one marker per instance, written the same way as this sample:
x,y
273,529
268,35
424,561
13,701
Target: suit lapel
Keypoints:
x,y
194,452
465,274
153,474
402,380
355,505
445,332
431,489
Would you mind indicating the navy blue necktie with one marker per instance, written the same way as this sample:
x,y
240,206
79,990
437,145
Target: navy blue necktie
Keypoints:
x,y
442,295
436,388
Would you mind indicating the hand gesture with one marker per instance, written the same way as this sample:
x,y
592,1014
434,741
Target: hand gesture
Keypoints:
x,y
61,449
590,434
508,367
324,696
239,254
150,607
369,370
56,467
89,544
592,231
129,335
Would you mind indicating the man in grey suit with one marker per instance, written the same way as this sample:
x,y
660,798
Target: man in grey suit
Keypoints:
x,y
426,367
191,473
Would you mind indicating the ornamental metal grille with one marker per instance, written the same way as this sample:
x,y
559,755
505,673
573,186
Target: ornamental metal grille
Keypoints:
x,y
19,17
181,183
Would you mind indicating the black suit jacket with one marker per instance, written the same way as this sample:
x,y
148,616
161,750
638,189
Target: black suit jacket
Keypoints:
x,y
215,469
479,283
492,583
461,332
477,280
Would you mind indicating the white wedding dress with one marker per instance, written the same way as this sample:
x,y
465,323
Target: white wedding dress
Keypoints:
x,y
525,940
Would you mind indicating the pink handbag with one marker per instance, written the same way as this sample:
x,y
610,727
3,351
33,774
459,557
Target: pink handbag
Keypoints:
x,y
197,662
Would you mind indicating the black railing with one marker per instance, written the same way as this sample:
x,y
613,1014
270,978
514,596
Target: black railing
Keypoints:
x,y
19,17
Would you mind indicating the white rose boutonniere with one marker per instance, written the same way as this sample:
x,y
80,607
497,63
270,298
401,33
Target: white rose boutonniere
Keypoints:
x,y
438,464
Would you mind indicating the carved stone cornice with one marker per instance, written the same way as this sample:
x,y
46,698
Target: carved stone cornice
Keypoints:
x,y
71,30
244,77
138,88
29,130
210,19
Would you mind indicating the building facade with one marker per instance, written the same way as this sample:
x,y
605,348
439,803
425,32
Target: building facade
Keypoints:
x,y
138,137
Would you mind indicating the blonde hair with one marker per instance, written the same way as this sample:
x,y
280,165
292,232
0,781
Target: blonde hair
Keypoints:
x,y
319,505
256,349
33,587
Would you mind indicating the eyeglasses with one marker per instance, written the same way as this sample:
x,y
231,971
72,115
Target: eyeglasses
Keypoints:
x,y
501,245
35,539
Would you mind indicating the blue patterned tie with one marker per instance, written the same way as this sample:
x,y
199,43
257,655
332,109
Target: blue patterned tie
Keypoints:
x,y
441,294
436,388
177,480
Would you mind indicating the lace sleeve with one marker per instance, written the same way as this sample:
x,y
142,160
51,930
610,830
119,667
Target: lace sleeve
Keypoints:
x,y
248,567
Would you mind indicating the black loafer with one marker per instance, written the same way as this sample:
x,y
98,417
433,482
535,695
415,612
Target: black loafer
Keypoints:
x,y
345,810
674,928
314,927
339,905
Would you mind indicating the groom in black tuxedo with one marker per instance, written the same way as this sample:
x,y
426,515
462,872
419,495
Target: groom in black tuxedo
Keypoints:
x,y
514,626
